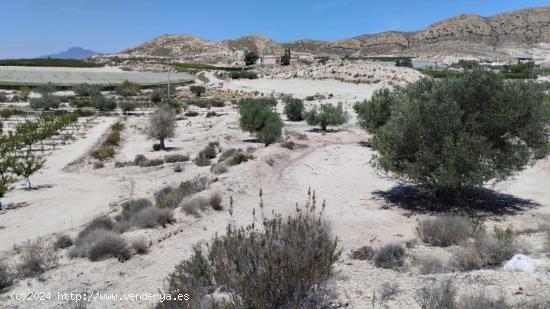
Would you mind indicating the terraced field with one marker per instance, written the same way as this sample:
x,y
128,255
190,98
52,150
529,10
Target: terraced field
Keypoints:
x,y
11,75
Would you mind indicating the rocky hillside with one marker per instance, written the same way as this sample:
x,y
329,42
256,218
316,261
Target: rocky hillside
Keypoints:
x,y
256,43
467,34
173,45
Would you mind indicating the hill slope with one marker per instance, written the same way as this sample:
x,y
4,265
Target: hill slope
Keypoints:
x,y
466,34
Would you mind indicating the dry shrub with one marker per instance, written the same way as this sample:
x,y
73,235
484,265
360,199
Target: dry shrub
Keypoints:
x,y
194,206
6,277
389,290
63,241
101,222
431,265
391,256
482,301
100,244
215,201
487,249
103,153
35,260
219,168
208,152
171,197
140,159
174,158
279,263
289,144
140,245
363,253
445,231
131,207
229,153
151,217
178,168
142,214
440,295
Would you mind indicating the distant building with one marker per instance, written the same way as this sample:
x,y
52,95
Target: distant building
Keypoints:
x,y
525,59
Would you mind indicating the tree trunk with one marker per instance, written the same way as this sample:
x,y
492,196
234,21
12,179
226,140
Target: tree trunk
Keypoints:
x,y
323,126
162,143
29,185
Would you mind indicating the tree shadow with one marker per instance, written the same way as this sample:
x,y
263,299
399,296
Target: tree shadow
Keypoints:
x,y
328,131
479,202
252,140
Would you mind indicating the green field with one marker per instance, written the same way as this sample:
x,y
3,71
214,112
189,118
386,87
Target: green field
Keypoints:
x,y
50,63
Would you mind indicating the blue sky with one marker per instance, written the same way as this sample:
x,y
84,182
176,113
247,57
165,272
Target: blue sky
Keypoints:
x,y
30,28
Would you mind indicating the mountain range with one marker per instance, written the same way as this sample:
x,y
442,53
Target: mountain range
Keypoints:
x,y
76,53
467,34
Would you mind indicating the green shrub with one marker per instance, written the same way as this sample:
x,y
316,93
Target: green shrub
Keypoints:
x,y
46,102
202,161
113,139
445,231
326,115
295,254
103,153
85,90
237,159
102,103
259,119
243,74
157,147
158,95
197,90
455,134
390,256
294,109
127,106
192,114
127,89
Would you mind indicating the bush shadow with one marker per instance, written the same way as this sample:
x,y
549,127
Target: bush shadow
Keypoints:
x,y
478,202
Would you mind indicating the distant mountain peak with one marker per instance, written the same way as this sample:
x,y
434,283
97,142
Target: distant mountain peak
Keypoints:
x,y
75,52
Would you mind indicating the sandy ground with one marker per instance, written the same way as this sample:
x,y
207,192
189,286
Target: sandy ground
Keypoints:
x,y
301,88
332,164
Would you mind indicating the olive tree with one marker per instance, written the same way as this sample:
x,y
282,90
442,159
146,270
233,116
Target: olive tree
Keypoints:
x,y
162,124
250,58
326,115
7,161
28,164
258,118
294,109
374,113
460,133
